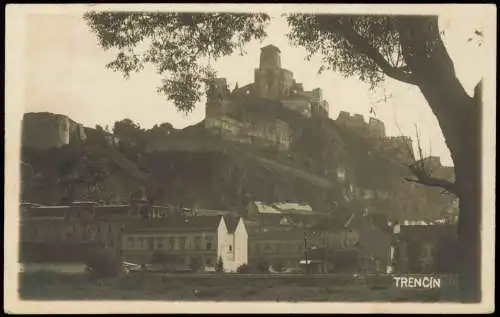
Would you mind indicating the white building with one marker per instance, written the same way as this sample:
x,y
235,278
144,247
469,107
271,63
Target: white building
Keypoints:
x,y
193,241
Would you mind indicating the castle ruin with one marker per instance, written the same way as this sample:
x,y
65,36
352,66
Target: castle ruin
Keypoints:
x,y
45,130
375,128
273,83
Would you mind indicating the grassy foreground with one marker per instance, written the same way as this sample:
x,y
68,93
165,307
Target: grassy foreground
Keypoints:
x,y
56,286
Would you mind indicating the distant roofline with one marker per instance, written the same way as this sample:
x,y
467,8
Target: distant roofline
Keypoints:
x,y
50,207
183,224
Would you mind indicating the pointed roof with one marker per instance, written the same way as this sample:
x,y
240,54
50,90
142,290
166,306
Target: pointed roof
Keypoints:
x,y
231,223
270,47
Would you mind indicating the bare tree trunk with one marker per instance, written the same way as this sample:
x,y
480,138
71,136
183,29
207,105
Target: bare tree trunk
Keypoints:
x,y
469,188
462,132
459,117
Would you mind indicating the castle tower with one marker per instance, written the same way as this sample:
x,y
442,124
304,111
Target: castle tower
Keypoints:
x,y
272,81
270,57
217,94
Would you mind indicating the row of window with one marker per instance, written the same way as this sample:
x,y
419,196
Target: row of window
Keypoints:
x,y
58,230
170,243
276,247
54,236
196,260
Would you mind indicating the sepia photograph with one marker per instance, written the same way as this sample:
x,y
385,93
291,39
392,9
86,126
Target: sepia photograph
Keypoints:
x,y
235,154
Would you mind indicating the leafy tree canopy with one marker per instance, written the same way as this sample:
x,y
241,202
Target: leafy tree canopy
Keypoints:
x,y
341,39
179,45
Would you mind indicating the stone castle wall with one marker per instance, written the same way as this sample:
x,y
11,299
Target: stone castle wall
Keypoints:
x,y
374,127
260,132
399,147
47,130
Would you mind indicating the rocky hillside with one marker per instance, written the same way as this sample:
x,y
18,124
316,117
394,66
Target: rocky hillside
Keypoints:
x,y
329,166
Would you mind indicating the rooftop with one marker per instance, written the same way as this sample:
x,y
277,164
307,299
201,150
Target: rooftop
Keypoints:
x,y
277,235
177,223
231,223
283,208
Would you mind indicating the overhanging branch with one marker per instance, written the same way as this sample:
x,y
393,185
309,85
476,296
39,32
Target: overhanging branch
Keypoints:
x,y
423,178
434,182
360,44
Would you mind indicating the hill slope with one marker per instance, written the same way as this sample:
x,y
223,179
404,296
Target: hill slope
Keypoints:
x,y
191,166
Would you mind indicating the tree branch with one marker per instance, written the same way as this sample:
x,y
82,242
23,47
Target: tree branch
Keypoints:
x,y
426,179
434,182
362,45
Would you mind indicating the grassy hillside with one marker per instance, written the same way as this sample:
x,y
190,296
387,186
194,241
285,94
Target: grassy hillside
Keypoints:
x,y
191,166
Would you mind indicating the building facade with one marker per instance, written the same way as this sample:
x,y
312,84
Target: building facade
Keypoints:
x,y
85,222
197,241
424,249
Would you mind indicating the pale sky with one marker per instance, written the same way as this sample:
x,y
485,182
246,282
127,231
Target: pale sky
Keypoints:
x,y
65,74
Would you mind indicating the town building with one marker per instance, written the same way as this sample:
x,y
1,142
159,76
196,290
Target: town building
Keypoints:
x,y
276,248
418,248
84,222
283,214
197,241
352,242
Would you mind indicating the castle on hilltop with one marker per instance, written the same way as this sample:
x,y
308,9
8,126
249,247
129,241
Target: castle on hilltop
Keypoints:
x,y
272,84
233,115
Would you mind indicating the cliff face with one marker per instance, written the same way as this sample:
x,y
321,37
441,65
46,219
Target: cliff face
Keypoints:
x,y
45,130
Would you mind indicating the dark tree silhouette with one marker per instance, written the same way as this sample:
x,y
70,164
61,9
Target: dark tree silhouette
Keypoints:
x,y
178,43
410,49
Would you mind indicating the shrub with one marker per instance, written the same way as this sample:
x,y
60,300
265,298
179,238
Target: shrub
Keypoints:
x,y
219,267
244,268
